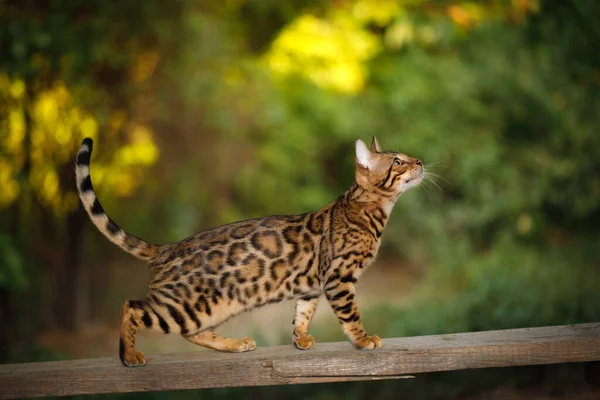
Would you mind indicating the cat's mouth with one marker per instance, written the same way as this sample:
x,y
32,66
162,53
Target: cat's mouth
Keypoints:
x,y
417,179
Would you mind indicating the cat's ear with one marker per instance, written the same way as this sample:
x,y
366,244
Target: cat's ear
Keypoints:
x,y
363,155
375,146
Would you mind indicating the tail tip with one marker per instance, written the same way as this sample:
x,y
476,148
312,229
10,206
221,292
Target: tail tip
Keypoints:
x,y
85,152
89,142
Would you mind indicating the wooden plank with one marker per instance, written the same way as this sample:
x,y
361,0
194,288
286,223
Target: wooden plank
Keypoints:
x,y
412,355
329,362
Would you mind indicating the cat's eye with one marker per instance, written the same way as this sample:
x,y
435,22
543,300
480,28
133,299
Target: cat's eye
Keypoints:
x,y
398,162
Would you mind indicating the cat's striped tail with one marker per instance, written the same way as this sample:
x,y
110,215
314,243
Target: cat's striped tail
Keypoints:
x,y
131,244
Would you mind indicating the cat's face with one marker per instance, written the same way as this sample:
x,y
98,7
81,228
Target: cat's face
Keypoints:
x,y
386,172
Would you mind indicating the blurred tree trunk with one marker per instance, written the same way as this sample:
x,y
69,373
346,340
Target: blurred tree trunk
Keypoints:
x,y
57,242
5,321
18,230
72,304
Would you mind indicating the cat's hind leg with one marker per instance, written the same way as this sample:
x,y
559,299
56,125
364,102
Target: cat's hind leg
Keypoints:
x,y
211,340
134,317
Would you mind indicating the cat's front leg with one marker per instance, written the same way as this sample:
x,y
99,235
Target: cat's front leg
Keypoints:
x,y
305,309
341,299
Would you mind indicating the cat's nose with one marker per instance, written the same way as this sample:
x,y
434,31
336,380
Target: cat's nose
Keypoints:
x,y
419,163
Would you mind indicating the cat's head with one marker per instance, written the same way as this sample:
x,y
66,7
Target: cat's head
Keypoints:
x,y
386,172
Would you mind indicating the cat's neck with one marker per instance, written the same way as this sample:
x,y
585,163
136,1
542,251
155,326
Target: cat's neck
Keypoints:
x,y
365,205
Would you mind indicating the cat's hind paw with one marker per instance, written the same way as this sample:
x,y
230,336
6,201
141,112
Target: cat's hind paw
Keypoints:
x,y
247,344
238,345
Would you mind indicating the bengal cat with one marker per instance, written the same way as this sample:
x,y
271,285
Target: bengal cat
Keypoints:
x,y
198,283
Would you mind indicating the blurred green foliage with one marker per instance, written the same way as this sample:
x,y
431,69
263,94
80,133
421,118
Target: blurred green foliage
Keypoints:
x,y
11,266
255,106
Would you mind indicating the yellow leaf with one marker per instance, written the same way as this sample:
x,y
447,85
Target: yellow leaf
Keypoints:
x,y
89,127
331,52
16,130
10,187
17,89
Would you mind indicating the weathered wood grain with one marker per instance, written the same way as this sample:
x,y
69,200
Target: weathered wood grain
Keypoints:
x,y
329,362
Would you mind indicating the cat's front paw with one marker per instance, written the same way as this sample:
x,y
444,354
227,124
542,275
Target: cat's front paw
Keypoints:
x,y
134,359
304,342
368,343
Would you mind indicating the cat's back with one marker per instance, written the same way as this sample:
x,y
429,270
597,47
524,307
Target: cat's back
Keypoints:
x,y
249,252
265,237
250,230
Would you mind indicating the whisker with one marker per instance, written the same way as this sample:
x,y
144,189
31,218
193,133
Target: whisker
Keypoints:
x,y
434,163
424,186
429,177
434,175
434,183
